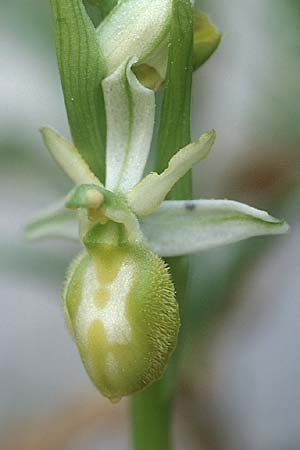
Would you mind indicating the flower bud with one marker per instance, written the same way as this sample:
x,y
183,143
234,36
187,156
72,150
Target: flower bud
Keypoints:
x,y
206,39
121,309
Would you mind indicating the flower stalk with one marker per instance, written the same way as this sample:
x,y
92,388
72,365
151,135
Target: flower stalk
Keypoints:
x,y
152,409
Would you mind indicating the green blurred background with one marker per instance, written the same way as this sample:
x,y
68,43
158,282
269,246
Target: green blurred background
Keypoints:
x,y
240,379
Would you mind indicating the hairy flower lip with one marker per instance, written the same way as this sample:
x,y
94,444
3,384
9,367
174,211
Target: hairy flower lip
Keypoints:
x,y
121,310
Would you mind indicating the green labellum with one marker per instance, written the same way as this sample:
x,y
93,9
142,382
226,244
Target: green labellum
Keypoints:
x,y
121,309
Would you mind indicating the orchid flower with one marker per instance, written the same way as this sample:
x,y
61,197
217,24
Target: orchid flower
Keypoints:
x,y
120,285
119,298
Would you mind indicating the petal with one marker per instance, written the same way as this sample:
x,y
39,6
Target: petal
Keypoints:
x,y
55,221
134,28
68,158
130,111
183,227
146,196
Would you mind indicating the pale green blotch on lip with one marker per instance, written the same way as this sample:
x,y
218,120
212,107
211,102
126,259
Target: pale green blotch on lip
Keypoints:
x,y
124,338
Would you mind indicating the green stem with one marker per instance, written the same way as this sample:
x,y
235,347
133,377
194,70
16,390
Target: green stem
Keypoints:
x,y
107,6
151,418
98,10
152,409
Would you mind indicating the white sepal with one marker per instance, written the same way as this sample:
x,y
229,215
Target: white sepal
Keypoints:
x,y
130,112
68,158
134,28
184,227
146,196
55,221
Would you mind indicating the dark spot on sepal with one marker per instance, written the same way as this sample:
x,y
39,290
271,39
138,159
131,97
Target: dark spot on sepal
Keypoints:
x,y
190,206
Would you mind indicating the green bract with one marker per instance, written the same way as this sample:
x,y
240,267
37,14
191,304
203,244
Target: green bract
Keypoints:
x,y
82,68
119,298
